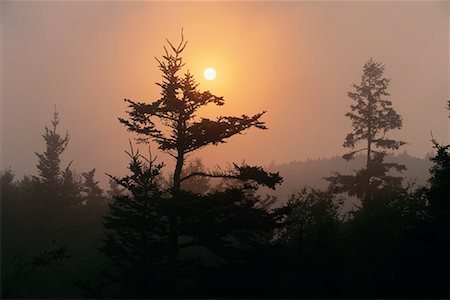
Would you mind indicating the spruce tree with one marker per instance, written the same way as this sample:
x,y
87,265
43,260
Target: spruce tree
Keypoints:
x,y
49,168
372,117
173,124
137,231
93,195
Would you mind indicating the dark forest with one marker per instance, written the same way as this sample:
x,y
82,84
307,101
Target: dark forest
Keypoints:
x,y
194,232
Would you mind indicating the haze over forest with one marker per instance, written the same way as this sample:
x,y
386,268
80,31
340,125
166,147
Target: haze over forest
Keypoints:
x,y
297,150
296,60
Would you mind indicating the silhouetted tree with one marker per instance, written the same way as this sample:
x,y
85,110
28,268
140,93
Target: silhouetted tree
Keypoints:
x,y
114,189
137,231
35,213
49,169
372,116
438,193
439,190
437,237
221,234
93,196
70,191
185,133
309,241
48,218
91,187
180,132
94,204
58,189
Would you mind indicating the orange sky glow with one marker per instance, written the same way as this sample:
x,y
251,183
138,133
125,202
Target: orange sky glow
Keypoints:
x,y
295,60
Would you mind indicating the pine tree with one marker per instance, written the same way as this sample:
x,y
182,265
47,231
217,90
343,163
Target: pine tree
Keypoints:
x,y
94,201
114,189
372,116
49,168
177,109
438,200
228,229
55,188
137,231
185,133
93,194
39,217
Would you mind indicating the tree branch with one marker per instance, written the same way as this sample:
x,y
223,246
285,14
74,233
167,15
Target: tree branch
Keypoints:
x,y
211,175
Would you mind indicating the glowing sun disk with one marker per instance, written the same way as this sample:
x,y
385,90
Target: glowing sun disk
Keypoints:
x,y
209,73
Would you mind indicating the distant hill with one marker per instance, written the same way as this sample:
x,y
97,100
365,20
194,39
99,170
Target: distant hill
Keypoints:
x,y
311,172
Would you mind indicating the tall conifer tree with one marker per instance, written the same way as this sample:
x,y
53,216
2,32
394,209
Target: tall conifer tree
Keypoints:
x,y
372,117
172,123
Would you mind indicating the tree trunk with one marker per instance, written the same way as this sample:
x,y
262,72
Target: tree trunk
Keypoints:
x,y
177,173
369,143
173,227
172,252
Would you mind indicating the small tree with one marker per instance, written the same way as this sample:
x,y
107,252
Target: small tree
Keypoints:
x,y
37,220
372,116
114,189
49,169
439,191
309,241
220,235
55,188
438,198
93,194
137,230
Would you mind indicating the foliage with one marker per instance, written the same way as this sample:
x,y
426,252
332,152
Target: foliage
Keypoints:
x,y
189,239
185,133
372,116
309,242
23,269
137,230
379,178
49,161
439,191
437,232
180,132
177,109
46,217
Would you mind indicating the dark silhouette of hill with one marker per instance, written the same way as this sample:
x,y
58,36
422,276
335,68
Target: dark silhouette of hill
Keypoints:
x,y
311,172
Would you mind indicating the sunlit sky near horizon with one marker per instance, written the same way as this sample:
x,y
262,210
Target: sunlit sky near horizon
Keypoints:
x,y
296,60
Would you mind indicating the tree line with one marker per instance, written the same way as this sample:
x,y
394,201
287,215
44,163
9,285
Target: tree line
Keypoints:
x,y
209,234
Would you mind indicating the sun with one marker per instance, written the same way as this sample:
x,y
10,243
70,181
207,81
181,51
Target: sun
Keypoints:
x,y
209,73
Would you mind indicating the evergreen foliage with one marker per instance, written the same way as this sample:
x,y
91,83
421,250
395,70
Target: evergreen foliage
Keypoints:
x,y
49,235
49,169
137,229
372,116
439,191
188,238
187,218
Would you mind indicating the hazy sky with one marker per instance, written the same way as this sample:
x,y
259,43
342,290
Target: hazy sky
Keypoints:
x,y
297,60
